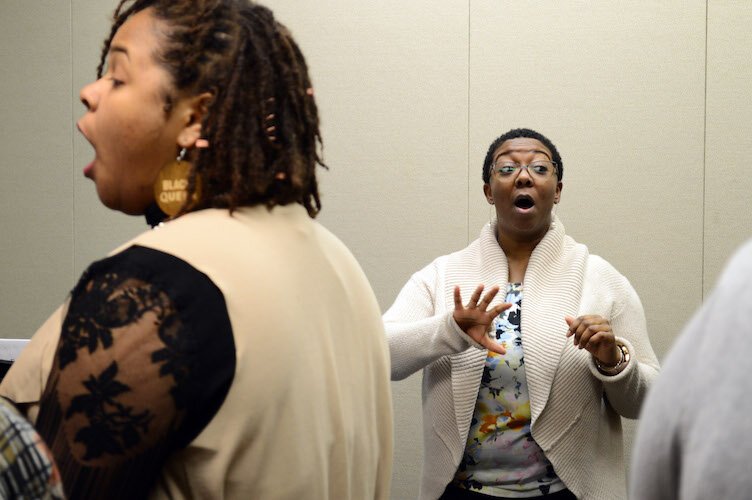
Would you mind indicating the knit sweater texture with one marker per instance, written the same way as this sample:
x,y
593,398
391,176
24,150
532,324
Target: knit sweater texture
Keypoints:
x,y
574,408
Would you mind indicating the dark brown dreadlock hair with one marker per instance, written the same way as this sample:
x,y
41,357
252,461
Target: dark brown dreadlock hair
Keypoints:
x,y
262,123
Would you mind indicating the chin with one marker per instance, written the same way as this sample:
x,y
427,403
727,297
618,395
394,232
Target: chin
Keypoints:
x,y
135,207
126,208
132,211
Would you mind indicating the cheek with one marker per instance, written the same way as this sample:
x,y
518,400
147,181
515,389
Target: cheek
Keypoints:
x,y
500,192
132,152
549,191
137,140
140,130
131,116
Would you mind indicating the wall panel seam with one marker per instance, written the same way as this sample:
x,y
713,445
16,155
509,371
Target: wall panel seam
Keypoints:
x,y
704,160
72,160
467,142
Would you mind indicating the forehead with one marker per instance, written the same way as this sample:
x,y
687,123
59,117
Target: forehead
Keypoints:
x,y
139,34
521,145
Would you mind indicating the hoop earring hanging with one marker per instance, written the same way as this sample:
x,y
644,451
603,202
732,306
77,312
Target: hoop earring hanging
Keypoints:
x,y
171,186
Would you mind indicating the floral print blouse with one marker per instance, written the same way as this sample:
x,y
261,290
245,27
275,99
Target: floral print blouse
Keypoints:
x,y
501,457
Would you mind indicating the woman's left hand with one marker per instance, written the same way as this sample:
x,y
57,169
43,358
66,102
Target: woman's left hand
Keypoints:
x,y
593,333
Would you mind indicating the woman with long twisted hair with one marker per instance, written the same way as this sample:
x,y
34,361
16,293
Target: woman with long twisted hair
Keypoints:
x,y
236,350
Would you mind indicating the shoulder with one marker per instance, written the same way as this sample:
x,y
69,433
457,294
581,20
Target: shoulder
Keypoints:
x,y
727,311
738,271
288,228
150,265
598,264
151,310
202,224
457,261
599,269
605,282
118,290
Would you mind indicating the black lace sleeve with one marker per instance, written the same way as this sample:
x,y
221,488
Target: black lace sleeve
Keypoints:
x,y
145,359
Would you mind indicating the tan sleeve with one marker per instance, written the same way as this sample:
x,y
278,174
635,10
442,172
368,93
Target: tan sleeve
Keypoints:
x,y
27,377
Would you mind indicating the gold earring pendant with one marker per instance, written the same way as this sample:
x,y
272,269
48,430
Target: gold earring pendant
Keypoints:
x,y
171,186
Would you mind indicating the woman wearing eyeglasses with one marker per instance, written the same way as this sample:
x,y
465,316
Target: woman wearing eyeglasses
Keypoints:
x,y
523,389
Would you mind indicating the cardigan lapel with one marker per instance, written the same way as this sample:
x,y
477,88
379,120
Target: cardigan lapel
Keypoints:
x,y
552,290
488,265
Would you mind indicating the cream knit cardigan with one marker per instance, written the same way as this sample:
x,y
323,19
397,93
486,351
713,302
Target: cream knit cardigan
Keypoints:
x,y
574,408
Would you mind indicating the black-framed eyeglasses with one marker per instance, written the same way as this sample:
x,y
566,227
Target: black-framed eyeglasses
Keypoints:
x,y
540,169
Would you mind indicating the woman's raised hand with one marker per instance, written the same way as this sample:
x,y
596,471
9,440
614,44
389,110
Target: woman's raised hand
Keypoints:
x,y
593,333
476,320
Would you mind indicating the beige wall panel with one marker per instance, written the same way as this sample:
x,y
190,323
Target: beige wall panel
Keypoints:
x,y
619,88
728,183
36,186
391,85
97,229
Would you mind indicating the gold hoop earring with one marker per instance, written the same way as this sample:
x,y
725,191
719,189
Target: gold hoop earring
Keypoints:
x,y
171,186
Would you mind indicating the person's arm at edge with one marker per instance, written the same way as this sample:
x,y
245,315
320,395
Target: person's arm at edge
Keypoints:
x,y
26,379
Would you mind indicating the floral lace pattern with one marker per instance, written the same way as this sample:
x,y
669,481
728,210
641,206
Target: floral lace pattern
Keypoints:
x,y
113,427
123,391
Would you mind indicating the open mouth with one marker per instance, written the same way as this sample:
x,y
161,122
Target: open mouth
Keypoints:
x,y
88,169
524,202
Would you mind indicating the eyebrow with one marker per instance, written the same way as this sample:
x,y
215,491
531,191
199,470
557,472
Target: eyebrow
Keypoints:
x,y
119,49
522,151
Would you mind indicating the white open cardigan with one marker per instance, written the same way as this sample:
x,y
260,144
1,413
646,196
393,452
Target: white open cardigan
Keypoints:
x,y
574,408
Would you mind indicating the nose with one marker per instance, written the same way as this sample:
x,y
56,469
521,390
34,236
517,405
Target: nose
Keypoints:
x,y
524,179
89,96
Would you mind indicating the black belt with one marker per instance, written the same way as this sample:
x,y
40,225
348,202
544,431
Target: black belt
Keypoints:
x,y
453,492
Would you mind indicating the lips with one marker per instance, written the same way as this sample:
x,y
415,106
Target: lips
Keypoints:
x,y
88,169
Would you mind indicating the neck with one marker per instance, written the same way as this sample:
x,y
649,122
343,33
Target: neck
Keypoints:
x,y
517,250
515,246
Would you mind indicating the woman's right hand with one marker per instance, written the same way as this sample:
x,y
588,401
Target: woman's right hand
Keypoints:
x,y
475,320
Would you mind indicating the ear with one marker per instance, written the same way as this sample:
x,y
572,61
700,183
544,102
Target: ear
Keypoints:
x,y
559,187
489,194
192,111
